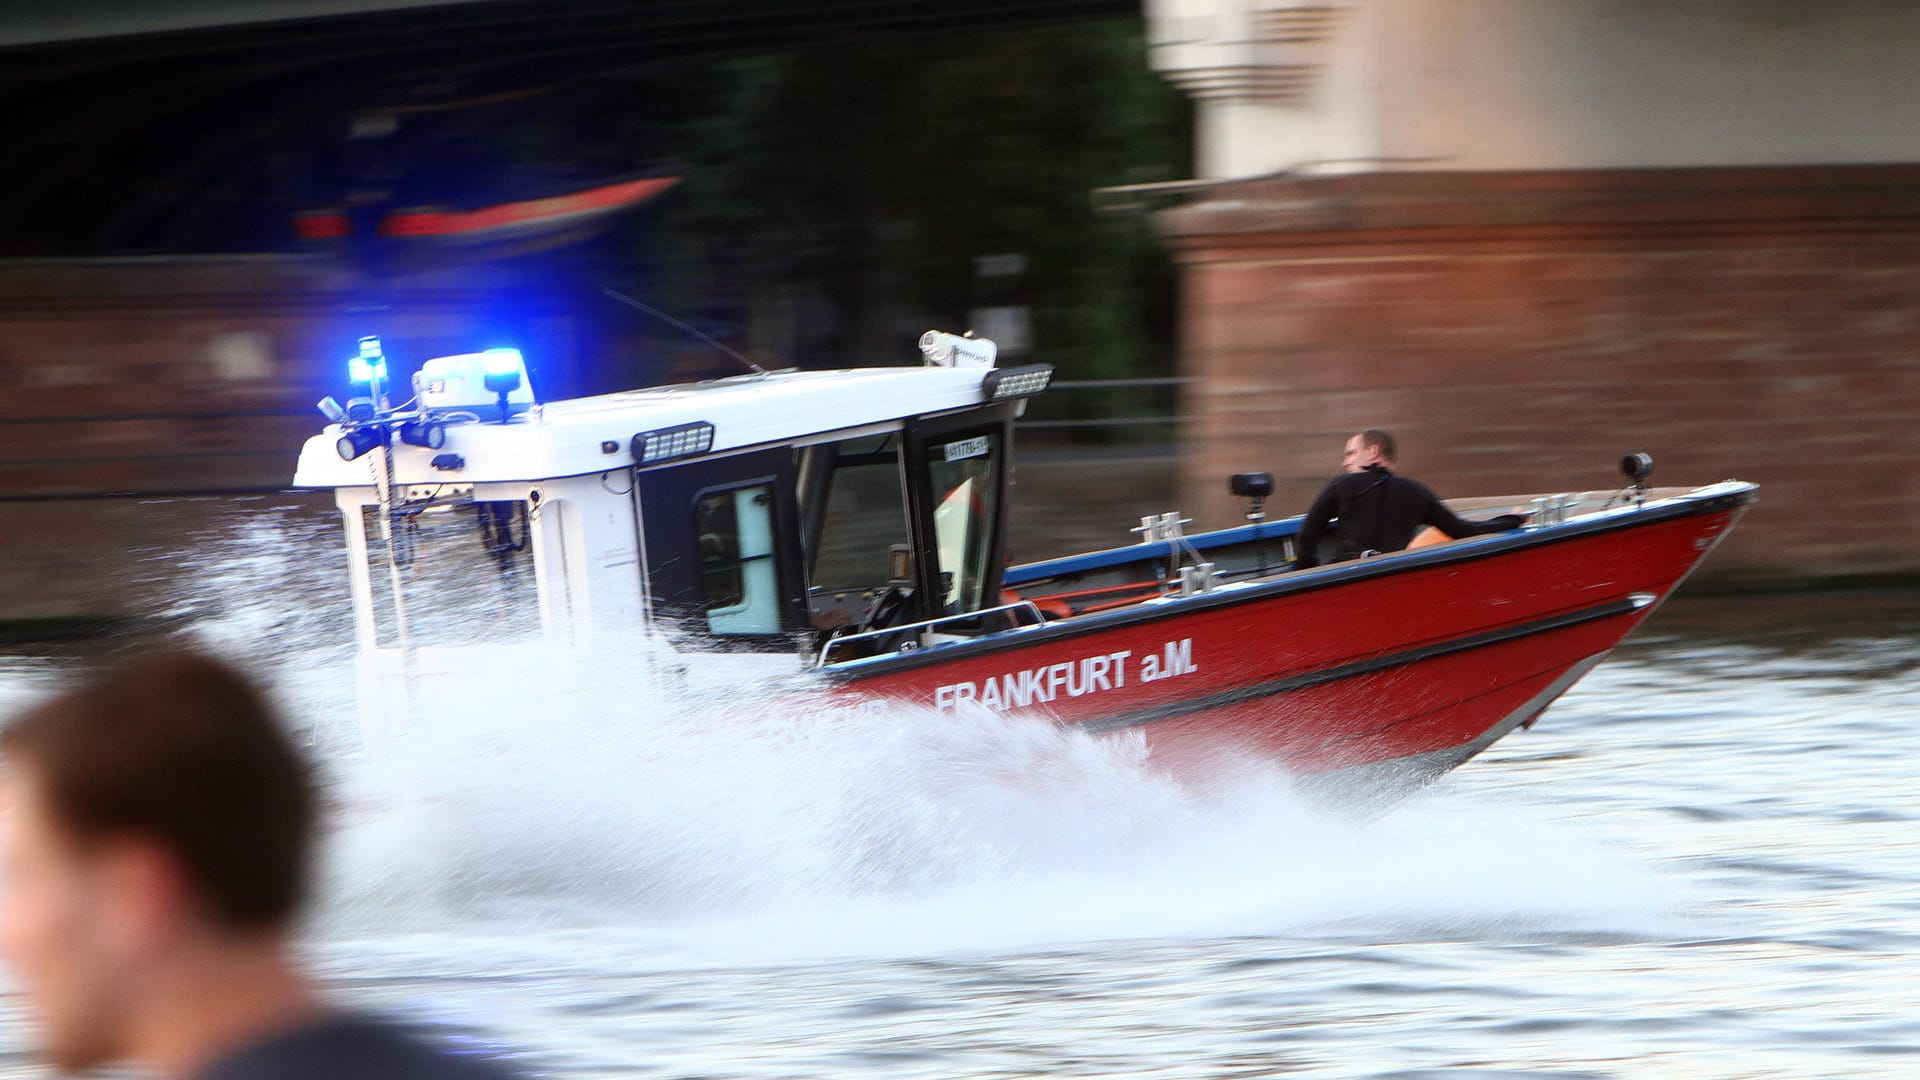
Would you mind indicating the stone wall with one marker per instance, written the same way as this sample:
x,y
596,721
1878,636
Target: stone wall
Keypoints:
x,y
1520,331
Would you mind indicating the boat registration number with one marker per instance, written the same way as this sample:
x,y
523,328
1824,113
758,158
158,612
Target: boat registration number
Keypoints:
x,y
965,448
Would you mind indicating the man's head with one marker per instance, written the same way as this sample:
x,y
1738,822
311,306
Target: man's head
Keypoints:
x,y
1370,447
156,808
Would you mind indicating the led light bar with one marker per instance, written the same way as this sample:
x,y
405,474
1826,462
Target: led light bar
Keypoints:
x,y
667,444
1016,382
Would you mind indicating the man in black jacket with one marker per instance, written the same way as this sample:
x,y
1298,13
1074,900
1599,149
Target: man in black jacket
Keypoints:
x,y
1377,510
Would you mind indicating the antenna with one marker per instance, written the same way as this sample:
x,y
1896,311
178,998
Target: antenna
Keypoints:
x,y
666,318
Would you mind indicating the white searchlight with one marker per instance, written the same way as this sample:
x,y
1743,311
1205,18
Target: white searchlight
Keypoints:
x,y
356,441
957,350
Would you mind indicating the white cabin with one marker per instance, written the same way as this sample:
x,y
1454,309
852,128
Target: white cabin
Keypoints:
x,y
763,512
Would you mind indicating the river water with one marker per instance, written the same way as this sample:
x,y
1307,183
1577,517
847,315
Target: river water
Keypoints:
x,y
1703,862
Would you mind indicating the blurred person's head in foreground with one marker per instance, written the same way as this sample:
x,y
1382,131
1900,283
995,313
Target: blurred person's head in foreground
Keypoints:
x,y
157,830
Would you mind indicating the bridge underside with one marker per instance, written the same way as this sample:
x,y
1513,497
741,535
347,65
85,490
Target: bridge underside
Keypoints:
x,y
161,127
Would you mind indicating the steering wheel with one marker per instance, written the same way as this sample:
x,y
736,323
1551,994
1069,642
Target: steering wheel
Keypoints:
x,y
887,608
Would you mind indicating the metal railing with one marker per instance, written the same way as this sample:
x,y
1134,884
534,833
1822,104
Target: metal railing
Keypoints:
x,y
1111,421
920,629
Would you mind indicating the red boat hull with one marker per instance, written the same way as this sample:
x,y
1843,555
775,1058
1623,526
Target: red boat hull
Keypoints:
x,y
1402,666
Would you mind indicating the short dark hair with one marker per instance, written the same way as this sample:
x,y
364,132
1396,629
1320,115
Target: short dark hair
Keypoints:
x,y
1381,441
185,751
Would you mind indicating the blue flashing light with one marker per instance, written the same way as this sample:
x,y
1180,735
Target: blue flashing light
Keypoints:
x,y
502,371
502,361
362,370
370,366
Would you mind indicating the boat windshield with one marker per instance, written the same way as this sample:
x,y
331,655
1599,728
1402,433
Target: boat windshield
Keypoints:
x,y
460,574
858,534
962,478
857,521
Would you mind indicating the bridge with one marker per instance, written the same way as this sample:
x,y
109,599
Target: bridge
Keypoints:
x,y
161,125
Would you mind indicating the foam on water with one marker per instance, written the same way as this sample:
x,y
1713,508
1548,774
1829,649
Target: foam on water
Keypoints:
x,y
564,793
1701,866
748,829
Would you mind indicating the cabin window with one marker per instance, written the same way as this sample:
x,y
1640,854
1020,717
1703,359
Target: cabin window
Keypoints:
x,y
965,488
865,517
737,569
722,551
856,527
452,574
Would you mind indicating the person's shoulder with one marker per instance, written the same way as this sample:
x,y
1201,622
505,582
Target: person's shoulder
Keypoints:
x,y
1408,483
352,1044
1330,492
1371,478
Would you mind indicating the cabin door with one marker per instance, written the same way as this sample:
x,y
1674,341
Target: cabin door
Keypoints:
x,y
957,485
721,546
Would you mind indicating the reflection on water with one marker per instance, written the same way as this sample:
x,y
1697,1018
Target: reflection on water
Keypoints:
x,y
1703,862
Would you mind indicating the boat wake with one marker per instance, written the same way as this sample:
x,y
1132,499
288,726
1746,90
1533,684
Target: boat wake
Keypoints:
x,y
565,796
746,831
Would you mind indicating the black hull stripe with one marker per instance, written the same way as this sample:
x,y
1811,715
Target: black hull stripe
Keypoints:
x,y
1357,668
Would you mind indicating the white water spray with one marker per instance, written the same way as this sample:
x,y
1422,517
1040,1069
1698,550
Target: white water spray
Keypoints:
x,y
563,795
724,832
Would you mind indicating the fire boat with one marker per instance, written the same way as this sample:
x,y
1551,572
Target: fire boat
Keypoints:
x,y
842,532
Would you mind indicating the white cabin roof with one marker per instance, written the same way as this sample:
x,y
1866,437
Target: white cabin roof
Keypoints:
x,y
567,438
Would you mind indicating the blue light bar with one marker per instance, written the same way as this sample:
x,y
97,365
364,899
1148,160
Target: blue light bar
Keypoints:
x,y
667,444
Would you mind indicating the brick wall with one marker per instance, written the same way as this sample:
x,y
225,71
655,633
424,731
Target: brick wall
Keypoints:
x,y
156,379
1520,331
151,411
